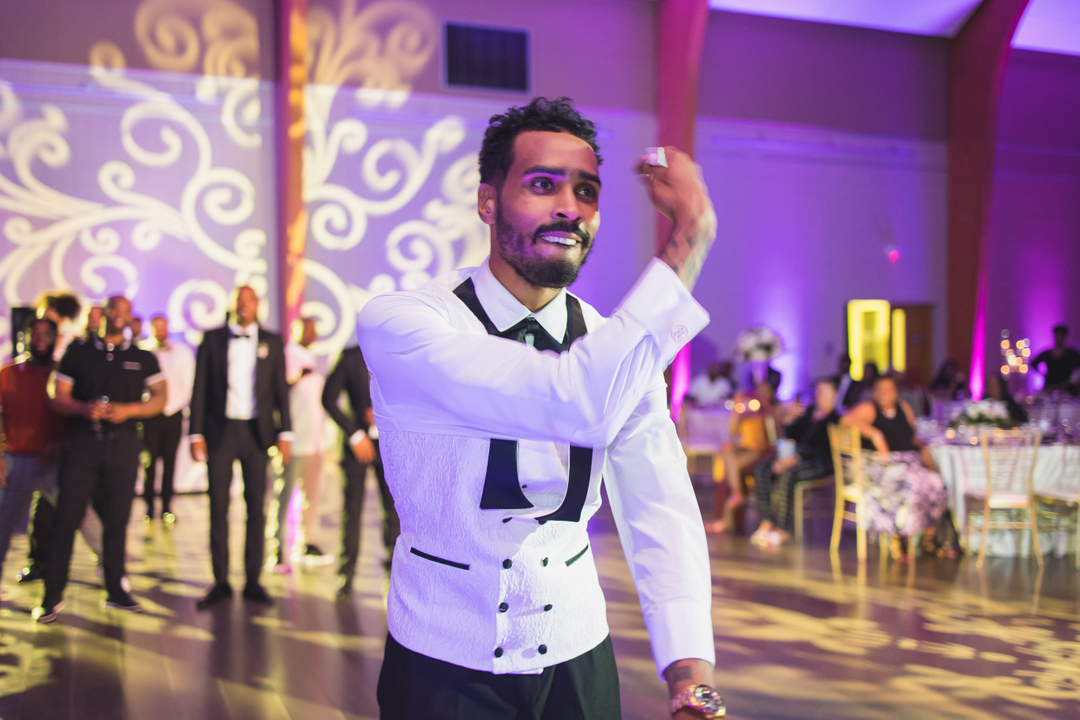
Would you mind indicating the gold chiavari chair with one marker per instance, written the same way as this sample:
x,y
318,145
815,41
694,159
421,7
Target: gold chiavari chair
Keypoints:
x,y
1009,459
1059,502
850,485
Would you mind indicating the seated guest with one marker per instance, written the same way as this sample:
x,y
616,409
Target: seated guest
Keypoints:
x,y
997,388
950,383
713,387
750,444
775,479
849,390
904,493
1061,361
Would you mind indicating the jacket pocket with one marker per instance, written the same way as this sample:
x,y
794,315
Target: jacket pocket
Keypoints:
x,y
441,561
577,557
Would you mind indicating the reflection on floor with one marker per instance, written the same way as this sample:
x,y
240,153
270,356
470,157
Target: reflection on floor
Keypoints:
x,y
795,637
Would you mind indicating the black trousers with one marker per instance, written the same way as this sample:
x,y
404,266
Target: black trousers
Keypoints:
x,y
104,471
353,508
414,687
238,441
161,437
41,520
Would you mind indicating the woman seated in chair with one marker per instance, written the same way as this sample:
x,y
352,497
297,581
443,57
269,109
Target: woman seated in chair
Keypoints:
x,y
750,443
905,495
775,479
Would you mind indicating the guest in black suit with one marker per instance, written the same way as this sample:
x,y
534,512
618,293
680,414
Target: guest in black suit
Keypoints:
x,y
239,409
848,390
361,449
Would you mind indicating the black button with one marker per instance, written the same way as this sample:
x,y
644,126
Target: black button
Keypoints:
x,y
498,652
503,607
547,608
507,563
506,520
524,487
544,562
542,649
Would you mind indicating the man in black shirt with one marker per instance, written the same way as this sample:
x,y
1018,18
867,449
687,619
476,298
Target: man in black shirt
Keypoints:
x,y
1061,361
100,384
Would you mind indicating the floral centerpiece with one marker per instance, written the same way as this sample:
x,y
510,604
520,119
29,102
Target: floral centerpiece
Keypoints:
x,y
758,344
984,412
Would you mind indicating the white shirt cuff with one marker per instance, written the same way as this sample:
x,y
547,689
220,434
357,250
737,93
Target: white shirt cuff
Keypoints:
x,y
679,630
356,436
288,436
193,438
661,303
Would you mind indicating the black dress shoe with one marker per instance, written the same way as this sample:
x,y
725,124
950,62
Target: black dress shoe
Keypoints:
x,y
221,591
257,593
123,601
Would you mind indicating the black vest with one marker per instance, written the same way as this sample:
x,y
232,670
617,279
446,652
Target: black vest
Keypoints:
x,y
502,489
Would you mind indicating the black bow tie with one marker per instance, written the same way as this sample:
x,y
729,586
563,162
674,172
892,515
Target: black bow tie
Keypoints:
x,y
241,335
541,338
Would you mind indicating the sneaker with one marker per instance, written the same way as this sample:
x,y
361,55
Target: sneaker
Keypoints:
x,y
47,613
123,601
32,573
314,556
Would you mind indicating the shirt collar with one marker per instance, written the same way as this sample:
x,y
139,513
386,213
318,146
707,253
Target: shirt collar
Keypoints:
x,y
252,330
506,311
100,343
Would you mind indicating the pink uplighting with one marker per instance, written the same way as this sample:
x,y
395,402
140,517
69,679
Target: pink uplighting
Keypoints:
x,y
894,255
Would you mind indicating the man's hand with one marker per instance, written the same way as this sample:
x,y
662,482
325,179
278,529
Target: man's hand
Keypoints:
x,y
285,448
94,410
364,450
198,450
681,674
679,192
117,413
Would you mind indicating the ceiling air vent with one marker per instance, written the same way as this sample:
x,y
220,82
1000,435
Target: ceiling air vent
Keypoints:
x,y
481,57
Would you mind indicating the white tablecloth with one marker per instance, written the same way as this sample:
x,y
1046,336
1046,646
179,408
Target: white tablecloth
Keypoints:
x,y
704,427
1057,472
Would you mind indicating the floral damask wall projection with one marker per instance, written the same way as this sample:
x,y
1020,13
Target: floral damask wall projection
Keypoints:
x,y
159,185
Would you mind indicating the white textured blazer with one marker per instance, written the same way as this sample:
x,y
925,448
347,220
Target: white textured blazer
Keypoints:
x,y
499,590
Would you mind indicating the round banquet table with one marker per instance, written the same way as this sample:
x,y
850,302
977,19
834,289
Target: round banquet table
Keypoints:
x,y
1057,472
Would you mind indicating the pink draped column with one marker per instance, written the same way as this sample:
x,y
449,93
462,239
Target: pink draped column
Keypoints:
x,y
977,58
680,35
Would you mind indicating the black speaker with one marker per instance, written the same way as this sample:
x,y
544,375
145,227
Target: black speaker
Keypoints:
x,y
487,58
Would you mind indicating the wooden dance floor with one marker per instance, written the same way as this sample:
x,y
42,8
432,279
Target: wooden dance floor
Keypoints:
x,y
795,637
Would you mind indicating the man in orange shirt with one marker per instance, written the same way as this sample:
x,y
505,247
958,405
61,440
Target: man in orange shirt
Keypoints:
x,y
32,431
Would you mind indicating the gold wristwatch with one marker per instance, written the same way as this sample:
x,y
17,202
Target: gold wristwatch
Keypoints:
x,y
701,699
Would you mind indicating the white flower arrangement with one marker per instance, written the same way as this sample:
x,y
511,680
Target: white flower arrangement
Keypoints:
x,y
758,344
983,412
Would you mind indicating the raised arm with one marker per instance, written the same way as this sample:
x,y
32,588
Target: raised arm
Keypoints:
x,y
428,375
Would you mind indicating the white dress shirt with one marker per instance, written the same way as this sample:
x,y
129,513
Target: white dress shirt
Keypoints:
x,y
305,400
442,388
243,355
178,365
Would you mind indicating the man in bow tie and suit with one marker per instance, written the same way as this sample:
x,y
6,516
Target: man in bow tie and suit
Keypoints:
x,y
501,400
239,409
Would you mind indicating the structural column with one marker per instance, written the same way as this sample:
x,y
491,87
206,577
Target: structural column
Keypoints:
x,y
289,129
680,35
977,59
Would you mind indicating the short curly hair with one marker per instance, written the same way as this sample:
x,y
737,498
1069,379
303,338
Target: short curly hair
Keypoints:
x,y
558,115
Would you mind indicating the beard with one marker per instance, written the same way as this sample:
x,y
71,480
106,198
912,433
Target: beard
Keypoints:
x,y
546,272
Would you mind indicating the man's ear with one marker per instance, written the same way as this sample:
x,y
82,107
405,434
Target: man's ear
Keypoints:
x,y
486,200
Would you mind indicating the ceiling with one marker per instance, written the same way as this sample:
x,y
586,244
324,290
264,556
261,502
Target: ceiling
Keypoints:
x,y
1047,25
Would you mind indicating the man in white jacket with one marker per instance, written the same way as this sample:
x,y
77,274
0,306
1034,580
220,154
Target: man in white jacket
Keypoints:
x,y
501,401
